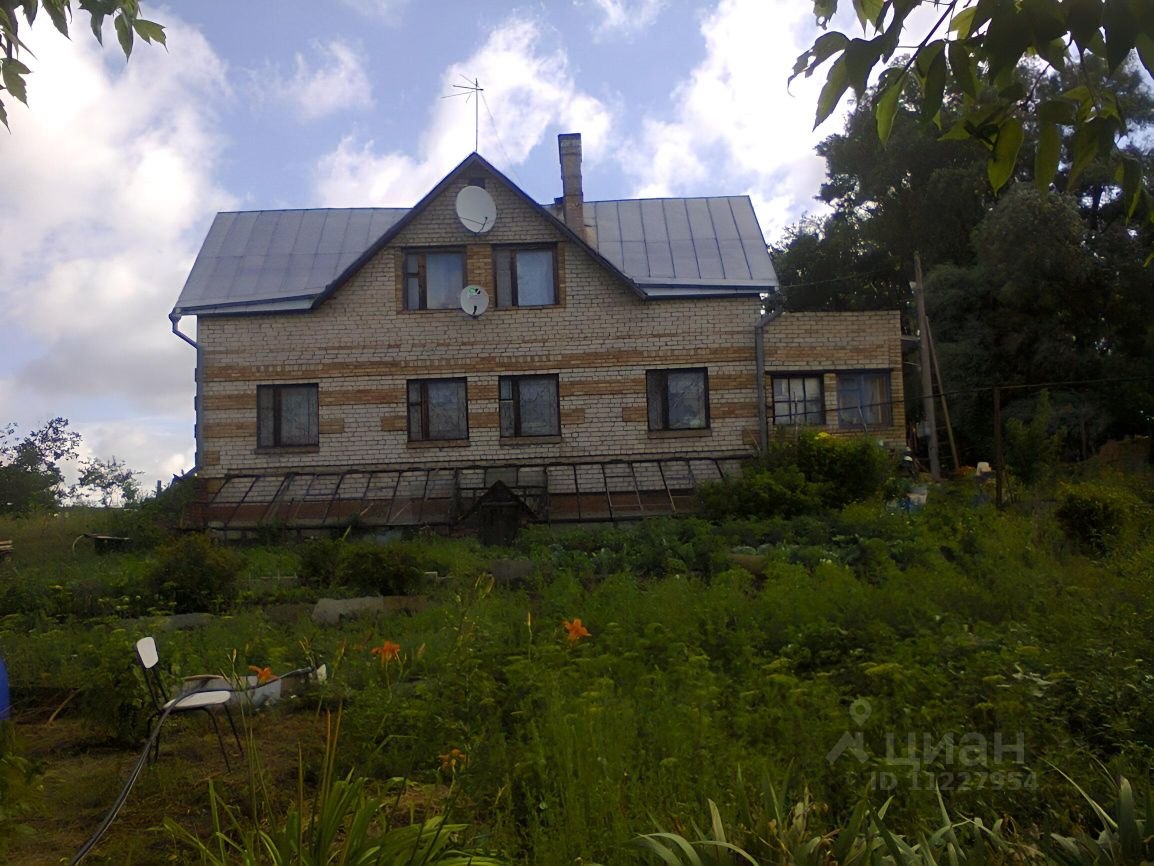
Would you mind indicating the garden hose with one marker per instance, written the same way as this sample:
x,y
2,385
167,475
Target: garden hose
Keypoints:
x,y
141,762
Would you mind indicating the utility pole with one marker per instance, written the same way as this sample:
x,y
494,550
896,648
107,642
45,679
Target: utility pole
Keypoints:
x,y
928,411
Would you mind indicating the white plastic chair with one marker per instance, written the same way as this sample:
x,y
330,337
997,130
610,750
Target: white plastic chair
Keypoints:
x,y
202,700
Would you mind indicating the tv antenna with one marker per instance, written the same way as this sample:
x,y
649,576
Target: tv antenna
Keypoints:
x,y
471,90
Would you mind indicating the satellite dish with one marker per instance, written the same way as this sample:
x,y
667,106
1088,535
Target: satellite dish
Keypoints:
x,y
474,301
476,210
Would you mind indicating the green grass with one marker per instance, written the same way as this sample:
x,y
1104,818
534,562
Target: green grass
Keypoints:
x,y
702,681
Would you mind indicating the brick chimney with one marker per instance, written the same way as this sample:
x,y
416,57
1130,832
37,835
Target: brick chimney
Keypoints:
x,y
572,198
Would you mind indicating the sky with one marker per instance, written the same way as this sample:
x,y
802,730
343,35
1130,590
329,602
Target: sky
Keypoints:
x,y
112,176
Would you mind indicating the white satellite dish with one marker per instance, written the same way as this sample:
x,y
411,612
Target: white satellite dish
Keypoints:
x,y
476,210
474,301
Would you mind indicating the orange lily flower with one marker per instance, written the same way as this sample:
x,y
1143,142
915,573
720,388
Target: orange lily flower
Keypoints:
x,y
575,630
453,759
387,652
263,675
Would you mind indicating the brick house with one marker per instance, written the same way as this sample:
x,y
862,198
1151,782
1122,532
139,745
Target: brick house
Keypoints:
x,y
623,357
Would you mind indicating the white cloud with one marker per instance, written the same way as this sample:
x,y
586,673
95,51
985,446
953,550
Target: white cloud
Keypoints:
x,y
734,125
334,80
625,17
528,89
109,186
388,11
731,126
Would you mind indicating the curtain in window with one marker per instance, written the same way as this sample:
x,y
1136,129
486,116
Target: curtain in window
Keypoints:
x,y
686,394
534,278
444,279
447,410
538,405
298,416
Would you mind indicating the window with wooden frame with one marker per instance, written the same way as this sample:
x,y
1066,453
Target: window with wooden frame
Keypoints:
x,y
438,409
525,276
287,416
529,406
678,399
434,279
863,400
798,399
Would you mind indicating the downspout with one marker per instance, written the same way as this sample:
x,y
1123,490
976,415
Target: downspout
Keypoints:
x,y
774,308
175,319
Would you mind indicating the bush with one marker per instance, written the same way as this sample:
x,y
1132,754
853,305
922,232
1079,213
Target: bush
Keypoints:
x,y
193,574
320,558
1096,516
800,475
388,569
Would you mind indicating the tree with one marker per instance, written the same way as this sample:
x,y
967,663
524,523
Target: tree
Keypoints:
x,y
109,480
30,476
996,53
126,21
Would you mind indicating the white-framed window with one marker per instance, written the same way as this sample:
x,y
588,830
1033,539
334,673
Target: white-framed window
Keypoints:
x,y
798,398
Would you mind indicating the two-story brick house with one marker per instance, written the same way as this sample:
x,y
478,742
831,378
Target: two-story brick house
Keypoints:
x,y
341,374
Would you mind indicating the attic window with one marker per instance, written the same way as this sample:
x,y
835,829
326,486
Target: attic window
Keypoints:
x,y
525,276
434,279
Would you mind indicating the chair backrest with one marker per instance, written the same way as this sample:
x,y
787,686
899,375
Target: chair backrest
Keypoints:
x,y
148,657
146,652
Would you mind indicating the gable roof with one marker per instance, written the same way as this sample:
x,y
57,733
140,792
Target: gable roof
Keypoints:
x,y
291,260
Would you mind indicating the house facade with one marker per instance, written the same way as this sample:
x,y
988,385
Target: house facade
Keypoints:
x,y
349,369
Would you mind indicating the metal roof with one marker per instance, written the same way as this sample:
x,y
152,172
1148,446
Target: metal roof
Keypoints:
x,y
276,260
285,260
673,247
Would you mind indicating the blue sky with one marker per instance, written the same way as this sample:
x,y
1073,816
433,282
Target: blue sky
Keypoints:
x,y
113,175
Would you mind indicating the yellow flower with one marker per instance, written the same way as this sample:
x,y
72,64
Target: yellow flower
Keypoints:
x,y
575,630
387,652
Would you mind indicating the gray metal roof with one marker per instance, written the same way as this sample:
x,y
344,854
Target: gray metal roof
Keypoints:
x,y
278,261
673,247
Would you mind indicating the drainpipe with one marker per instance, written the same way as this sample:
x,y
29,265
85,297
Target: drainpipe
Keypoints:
x,y
175,319
774,308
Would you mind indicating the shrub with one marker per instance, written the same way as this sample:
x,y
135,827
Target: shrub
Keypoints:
x,y
320,558
1032,451
193,574
1096,516
388,569
800,475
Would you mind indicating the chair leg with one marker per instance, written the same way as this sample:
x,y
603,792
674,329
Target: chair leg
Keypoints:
x,y
232,724
219,738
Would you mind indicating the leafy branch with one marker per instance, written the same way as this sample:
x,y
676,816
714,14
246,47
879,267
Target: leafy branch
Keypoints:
x,y
126,20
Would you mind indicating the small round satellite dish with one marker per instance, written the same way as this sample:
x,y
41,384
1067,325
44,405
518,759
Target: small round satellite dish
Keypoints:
x,y
476,210
474,301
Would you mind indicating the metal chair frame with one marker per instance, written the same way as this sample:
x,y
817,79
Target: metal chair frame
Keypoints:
x,y
198,700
